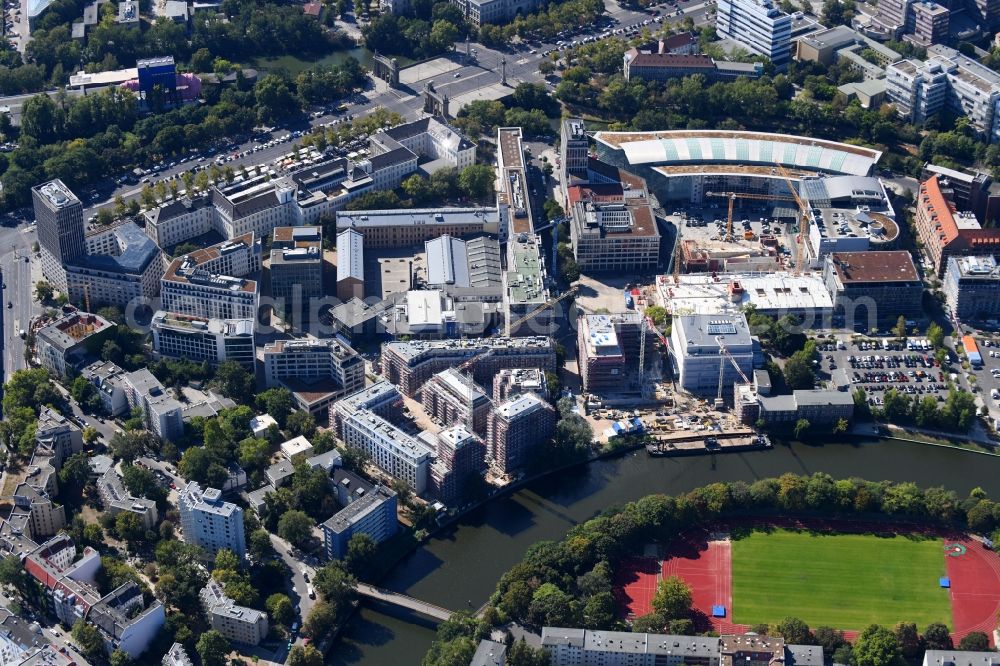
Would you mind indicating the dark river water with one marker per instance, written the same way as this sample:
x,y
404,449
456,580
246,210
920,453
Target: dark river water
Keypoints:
x,y
460,568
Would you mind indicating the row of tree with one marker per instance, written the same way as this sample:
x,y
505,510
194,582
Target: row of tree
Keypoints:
x,y
569,582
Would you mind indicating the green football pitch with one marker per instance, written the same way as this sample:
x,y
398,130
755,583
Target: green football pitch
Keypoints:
x,y
845,581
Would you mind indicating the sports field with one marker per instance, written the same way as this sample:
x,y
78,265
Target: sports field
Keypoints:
x,y
847,581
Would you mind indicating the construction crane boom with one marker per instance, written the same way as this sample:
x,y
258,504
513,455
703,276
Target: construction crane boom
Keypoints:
x,y
723,355
803,222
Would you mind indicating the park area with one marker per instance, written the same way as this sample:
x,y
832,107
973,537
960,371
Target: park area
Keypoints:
x,y
826,574
846,581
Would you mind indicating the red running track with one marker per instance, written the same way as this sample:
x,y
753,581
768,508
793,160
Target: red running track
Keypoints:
x,y
706,566
975,589
635,584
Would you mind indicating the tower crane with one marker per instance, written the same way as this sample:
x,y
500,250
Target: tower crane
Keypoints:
x,y
803,222
723,356
733,196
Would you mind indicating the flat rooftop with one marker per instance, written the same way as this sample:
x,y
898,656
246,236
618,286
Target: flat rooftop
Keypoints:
x,y
887,266
705,294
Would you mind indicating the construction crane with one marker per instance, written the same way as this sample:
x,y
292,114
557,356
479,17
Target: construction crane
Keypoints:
x,y
723,355
468,363
733,196
803,222
647,323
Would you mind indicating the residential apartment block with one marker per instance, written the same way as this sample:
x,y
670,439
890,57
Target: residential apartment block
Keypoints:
x,y
161,411
392,450
972,287
62,344
34,507
517,426
201,339
609,348
209,522
296,270
947,81
117,499
454,399
460,461
409,365
514,381
212,282
758,25
381,398
239,624
312,359
944,233
122,617
367,509
109,380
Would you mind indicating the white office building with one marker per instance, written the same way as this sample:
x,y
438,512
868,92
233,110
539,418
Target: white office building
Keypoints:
x,y
391,449
759,25
697,342
209,522
212,283
310,360
161,411
199,339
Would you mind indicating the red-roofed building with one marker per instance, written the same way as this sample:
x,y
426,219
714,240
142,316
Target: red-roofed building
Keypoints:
x,y
313,9
945,233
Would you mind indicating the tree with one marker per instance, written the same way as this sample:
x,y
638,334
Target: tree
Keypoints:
x,y
899,330
476,181
295,527
794,631
551,606
277,402
305,656
89,639
301,423
522,654
130,527
322,619
672,599
937,636
13,574
213,647
361,551
44,291
935,334
280,608
119,658
910,644
234,381
798,372
261,547
801,427
335,584
975,641
877,646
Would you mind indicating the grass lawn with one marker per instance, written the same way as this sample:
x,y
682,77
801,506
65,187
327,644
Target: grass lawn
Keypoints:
x,y
845,581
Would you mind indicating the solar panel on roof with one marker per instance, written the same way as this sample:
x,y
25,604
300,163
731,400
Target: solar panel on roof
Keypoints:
x,y
721,328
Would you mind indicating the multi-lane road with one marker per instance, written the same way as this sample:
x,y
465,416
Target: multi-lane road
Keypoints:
x,y
15,246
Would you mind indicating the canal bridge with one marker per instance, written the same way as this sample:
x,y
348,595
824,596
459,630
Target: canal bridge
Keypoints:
x,y
404,601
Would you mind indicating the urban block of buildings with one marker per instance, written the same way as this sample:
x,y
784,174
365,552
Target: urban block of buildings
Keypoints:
x,y
409,365
946,81
367,509
239,624
510,382
972,288
582,647
759,26
454,399
123,618
162,413
210,522
213,282
660,66
127,269
460,460
515,427
296,270
201,339
697,343
64,343
317,372
609,352
773,294
945,232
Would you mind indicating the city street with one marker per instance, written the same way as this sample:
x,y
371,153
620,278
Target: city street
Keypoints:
x,y
18,292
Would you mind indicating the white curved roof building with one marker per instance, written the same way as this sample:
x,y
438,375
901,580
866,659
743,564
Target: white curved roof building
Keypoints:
x,y
697,148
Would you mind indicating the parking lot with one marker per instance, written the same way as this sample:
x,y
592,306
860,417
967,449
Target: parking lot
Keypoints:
x,y
882,363
987,377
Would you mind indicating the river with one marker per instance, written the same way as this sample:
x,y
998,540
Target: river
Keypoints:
x,y
460,568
